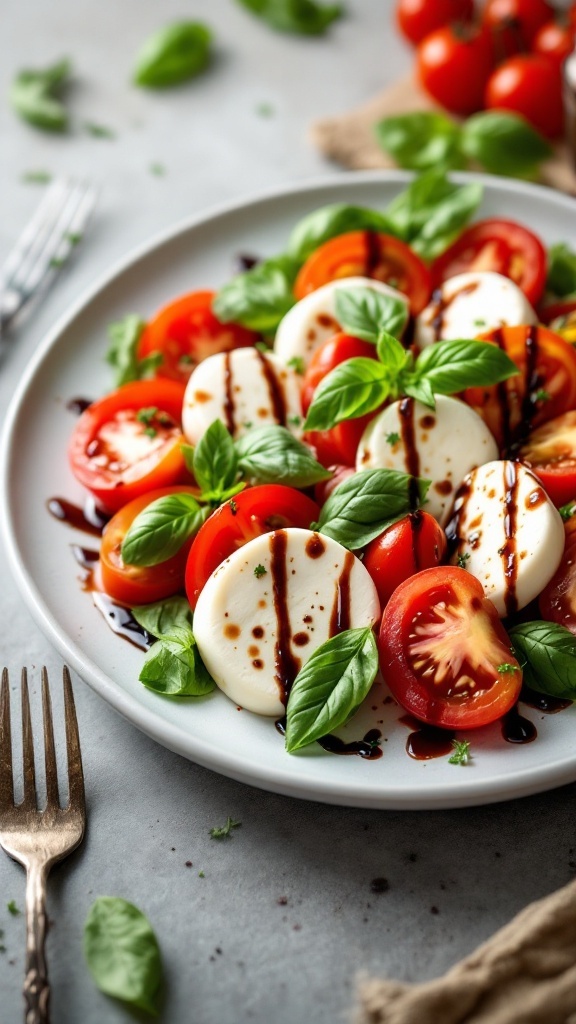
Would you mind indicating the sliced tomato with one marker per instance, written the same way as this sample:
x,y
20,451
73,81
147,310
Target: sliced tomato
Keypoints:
x,y
544,388
325,488
131,584
444,652
414,543
367,254
129,442
250,514
186,331
550,452
501,246
557,601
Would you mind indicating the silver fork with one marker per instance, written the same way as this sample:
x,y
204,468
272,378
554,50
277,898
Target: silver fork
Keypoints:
x,y
44,246
37,839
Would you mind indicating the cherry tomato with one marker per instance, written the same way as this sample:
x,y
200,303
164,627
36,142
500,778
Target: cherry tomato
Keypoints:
x,y
418,18
529,85
250,514
453,65
414,543
557,601
514,23
511,409
554,40
501,246
324,488
131,584
367,254
129,442
186,331
441,646
550,452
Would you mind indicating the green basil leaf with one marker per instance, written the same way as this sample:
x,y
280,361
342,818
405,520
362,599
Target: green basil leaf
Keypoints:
x,y
351,389
365,313
34,96
302,16
273,455
504,143
329,222
173,666
160,530
367,503
160,618
122,953
421,140
420,389
561,270
393,355
215,463
122,352
259,298
547,653
432,211
451,366
173,55
331,686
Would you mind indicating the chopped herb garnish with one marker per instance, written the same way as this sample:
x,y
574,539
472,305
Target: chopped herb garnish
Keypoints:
x,y
479,322
247,424
146,415
150,432
36,177
265,110
233,506
12,908
158,170
259,571
392,438
507,667
99,131
57,262
262,346
297,364
294,421
568,510
201,874
73,237
224,830
461,753
462,559
542,395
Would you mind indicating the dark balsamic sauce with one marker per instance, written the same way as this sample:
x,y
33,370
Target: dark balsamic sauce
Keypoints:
x,y
315,547
543,701
275,390
508,551
340,616
90,519
427,741
122,622
368,747
373,252
78,405
286,666
411,457
516,729
443,303
244,261
416,520
228,400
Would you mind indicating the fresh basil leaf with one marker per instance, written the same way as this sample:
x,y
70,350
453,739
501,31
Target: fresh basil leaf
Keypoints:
x,y
173,666
160,530
215,464
34,96
331,686
351,389
329,222
304,17
273,455
547,654
159,618
451,366
365,313
173,55
504,143
260,297
122,352
393,355
122,953
420,389
421,140
561,278
432,211
367,503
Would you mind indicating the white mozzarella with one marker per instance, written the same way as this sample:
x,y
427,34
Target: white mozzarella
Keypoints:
x,y
245,389
470,304
441,445
508,532
241,619
313,320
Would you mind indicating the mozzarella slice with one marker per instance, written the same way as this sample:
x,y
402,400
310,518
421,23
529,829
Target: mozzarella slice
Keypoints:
x,y
269,606
507,532
313,320
471,304
245,389
441,445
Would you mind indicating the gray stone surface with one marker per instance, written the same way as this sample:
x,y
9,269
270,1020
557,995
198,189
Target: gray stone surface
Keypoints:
x,y
284,919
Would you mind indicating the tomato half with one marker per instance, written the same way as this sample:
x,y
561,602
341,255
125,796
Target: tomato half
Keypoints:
x,y
501,246
529,85
129,442
250,514
550,452
557,601
441,646
418,18
544,388
453,65
186,331
414,543
131,584
367,254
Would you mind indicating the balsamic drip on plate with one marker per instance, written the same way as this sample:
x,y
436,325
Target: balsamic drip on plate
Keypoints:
x,y
90,519
78,405
427,741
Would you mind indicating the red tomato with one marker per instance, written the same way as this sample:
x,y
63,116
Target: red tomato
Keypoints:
x,y
514,23
441,644
129,442
557,601
453,65
367,254
550,452
249,514
131,584
554,40
531,86
416,542
186,331
324,488
418,18
501,246
544,388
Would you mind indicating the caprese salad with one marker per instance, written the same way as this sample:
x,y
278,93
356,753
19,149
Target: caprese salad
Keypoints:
x,y
358,455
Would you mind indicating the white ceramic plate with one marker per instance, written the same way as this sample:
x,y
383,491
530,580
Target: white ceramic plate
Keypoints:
x,y
212,731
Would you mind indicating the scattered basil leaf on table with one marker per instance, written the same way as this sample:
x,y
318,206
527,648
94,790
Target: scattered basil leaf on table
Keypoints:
x,y
174,668
365,313
547,653
432,211
260,297
160,529
35,96
122,953
173,55
215,464
504,144
561,270
99,131
122,352
331,686
273,455
421,140
36,177
367,503
305,17
159,618
328,222
224,831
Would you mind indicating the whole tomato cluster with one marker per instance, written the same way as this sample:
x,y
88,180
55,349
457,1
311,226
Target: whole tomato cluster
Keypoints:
x,y
507,56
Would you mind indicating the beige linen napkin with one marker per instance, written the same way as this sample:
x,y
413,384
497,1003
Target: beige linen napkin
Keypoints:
x,y
349,138
524,974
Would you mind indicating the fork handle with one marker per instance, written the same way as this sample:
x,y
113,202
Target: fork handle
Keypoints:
x,y
36,987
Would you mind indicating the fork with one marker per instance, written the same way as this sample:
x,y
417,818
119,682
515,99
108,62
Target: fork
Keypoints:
x,y
37,839
44,245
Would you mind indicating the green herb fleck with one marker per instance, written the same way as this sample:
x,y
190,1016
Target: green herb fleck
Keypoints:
x,y
294,421
12,908
259,571
99,131
461,753
158,170
507,667
57,262
392,438
262,346
542,395
265,110
147,414
73,238
150,432
36,96
479,322
248,424
233,506
201,874
568,510
297,364
36,177
224,830
462,559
